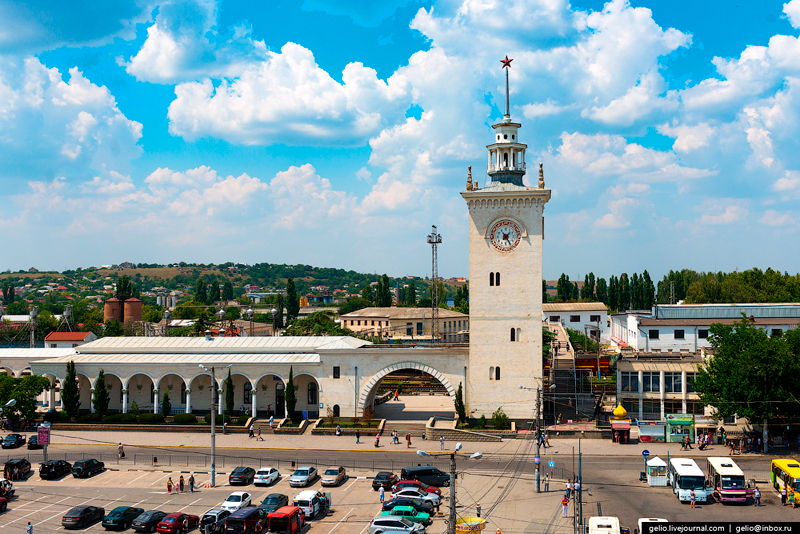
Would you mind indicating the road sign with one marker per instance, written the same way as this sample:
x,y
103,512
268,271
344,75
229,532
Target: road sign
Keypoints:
x,y
645,454
44,435
537,460
551,464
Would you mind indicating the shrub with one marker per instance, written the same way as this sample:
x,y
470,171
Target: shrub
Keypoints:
x,y
184,419
151,418
120,418
242,419
53,416
135,408
219,420
297,417
500,419
482,422
89,418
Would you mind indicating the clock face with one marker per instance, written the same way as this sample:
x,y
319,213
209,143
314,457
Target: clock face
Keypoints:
x,y
505,235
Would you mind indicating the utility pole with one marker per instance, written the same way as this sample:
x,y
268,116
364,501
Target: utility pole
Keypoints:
x,y
451,527
214,400
538,437
671,292
434,239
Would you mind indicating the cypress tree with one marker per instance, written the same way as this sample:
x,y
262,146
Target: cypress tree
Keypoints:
x,y
291,395
292,301
70,394
101,397
229,393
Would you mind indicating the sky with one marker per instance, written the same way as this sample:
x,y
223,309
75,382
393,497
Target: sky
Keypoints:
x,y
336,132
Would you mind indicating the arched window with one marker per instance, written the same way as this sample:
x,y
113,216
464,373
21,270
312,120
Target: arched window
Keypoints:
x,y
491,373
491,279
513,334
336,410
519,334
248,393
312,393
497,373
497,279
183,392
505,159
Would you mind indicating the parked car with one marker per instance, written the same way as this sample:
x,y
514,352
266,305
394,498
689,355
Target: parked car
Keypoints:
x,y
311,502
3,504
385,479
273,501
33,443
213,521
417,504
236,500
416,484
173,523
427,474
21,463
87,467
12,441
82,516
7,487
303,476
416,493
54,469
148,521
409,513
333,476
266,476
392,525
121,517
241,476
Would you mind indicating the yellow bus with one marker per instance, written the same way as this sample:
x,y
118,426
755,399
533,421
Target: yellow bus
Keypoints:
x,y
786,472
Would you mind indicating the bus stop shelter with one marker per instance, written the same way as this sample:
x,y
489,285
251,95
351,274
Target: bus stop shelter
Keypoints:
x,y
656,472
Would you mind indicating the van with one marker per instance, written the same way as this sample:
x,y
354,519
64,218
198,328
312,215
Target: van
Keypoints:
x,y
243,520
604,525
288,519
427,474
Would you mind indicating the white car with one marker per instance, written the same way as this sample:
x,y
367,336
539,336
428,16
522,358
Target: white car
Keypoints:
x,y
266,476
236,500
415,493
394,525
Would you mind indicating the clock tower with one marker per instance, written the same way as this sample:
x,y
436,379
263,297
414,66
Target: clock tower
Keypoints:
x,y
506,229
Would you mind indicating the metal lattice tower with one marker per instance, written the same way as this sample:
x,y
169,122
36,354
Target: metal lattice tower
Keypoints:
x,y
434,239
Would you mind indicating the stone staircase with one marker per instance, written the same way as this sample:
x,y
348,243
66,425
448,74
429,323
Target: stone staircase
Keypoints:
x,y
415,428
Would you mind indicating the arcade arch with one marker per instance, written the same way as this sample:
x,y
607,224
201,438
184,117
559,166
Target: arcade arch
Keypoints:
x,y
399,370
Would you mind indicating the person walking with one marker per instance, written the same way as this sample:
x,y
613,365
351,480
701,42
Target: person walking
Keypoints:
x,y
756,497
547,438
169,486
564,506
790,500
408,441
732,445
180,483
377,440
252,430
120,451
576,487
569,488
783,495
688,442
477,509
191,483
185,524
258,435
358,436
692,499
29,530
441,443
271,420
381,494
547,482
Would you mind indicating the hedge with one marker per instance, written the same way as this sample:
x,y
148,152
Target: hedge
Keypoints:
x,y
242,420
89,418
226,419
184,419
53,416
120,418
151,418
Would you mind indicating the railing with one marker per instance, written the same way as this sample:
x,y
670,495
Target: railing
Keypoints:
x,y
496,168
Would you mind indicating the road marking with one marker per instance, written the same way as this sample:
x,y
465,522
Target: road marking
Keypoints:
x,y
137,478
187,506
342,520
351,484
39,510
62,513
27,502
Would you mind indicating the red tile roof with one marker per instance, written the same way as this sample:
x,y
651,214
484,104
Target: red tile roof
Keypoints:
x,y
66,336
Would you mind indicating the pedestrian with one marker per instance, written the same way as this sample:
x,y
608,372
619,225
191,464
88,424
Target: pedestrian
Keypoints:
x,y
241,410
547,439
783,495
358,436
16,473
29,530
758,448
271,420
191,482
185,524
258,436
569,488
564,506
169,486
692,499
547,482
441,442
577,486
377,440
252,430
120,451
224,428
756,497
791,499
558,419
180,483
397,394
688,442
732,446
477,509
408,441
381,493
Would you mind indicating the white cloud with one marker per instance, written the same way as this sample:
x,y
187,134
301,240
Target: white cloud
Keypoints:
x,y
792,10
775,218
789,182
617,217
688,138
729,215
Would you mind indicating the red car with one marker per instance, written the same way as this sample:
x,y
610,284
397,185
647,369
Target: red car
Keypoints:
x,y
3,504
416,484
173,523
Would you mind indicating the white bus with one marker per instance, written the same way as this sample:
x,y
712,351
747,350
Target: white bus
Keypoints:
x,y
685,476
727,480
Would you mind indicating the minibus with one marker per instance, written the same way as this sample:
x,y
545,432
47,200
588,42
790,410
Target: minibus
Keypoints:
x,y
786,472
727,480
685,476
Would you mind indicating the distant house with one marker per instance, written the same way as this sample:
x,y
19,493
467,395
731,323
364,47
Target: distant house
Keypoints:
x,y
127,265
67,340
578,315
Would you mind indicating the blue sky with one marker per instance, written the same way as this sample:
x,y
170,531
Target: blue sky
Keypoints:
x,y
334,132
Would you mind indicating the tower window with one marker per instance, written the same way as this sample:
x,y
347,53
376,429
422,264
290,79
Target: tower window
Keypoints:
x,y
519,334
497,279
497,373
491,373
513,334
505,136
491,279
512,136
498,137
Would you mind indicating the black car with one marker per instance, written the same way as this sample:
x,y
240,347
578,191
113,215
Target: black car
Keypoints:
x,y
274,501
87,468
33,443
384,479
21,463
81,516
242,476
427,474
54,469
121,517
417,504
12,441
148,521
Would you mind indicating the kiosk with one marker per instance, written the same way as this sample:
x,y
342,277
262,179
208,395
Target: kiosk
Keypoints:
x,y
679,425
656,472
620,425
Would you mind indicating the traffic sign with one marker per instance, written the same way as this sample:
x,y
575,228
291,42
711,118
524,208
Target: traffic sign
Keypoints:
x,y
645,454
537,460
551,464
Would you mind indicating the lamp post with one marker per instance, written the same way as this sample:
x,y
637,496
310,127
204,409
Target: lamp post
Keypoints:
x,y
34,319
221,315
213,423
451,526
249,314
167,317
274,312
538,478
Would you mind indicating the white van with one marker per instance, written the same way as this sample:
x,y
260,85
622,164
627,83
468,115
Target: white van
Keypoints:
x,y
644,520
603,525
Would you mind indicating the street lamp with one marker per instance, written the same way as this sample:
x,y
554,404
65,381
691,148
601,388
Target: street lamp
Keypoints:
x,y
167,317
34,319
249,314
538,479
451,527
213,422
274,312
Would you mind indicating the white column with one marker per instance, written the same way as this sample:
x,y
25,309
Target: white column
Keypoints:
x,y
253,398
661,392
124,401
641,394
489,167
220,401
683,391
91,404
51,404
155,401
188,401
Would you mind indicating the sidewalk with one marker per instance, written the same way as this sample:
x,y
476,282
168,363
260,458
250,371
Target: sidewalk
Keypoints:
x,y
560,447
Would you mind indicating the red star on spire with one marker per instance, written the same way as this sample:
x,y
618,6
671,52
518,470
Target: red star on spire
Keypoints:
x,y
506,62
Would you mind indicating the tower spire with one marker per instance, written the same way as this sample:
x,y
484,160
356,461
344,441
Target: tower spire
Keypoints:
x,y
506,64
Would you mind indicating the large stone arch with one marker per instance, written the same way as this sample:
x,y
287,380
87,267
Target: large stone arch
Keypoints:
x,y
367,395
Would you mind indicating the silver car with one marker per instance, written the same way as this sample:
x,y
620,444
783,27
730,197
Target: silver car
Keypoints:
x,y
391,525
303,476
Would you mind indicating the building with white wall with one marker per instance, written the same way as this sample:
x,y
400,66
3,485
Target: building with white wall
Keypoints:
x,y
407,324
577,315
67,340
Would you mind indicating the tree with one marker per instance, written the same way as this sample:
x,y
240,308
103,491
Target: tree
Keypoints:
x,y
575,291
277,321
166,406
101,397
354,304
601,291
321,323
563,288
461,409
114,329
227,290
544,291
587,291
385,292
229,393
649,290
8,293
292,301
411,294
291,394
70,394
24,390
125,289
200,294
368,295
213,293
750,374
